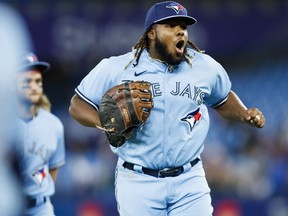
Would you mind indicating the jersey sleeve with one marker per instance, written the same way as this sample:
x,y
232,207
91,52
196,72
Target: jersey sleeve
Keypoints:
x,y
58,156
220,88
92,87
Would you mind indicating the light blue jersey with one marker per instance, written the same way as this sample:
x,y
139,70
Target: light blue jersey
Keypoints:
x,y
42,149
159,170
180,98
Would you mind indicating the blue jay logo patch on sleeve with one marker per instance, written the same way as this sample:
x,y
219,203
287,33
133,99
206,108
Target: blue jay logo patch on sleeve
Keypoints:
x,y
192,118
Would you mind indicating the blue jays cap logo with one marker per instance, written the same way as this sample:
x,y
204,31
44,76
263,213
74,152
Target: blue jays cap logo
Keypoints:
x,y
192,118
176,7
30,58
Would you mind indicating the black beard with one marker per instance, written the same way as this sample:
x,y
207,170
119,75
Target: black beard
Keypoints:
x,y
162,49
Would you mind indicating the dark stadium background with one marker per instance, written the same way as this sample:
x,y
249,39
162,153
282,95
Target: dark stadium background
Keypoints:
x,y
247,168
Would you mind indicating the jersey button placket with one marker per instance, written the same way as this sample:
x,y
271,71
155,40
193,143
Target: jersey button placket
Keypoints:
x,y
167,152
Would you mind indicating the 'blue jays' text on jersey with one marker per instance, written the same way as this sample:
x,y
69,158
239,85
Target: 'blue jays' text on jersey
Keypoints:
x,y
41,147
178,124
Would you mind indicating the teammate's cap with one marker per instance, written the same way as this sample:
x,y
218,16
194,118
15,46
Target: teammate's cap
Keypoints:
x,y
30,61
167,10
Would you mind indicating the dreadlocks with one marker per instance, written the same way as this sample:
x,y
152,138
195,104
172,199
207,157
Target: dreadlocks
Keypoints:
x,y
143,43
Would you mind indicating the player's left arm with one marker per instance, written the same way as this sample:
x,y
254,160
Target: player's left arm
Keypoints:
x,y
234,109
53,172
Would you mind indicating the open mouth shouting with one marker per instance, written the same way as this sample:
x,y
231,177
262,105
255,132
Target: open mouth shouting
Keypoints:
x,y
180,47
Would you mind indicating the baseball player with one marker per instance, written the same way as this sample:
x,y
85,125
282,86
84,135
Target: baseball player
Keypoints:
x,y
159,170
41,147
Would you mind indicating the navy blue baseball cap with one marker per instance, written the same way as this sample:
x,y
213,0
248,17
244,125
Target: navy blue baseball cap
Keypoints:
x,y
167,10
30,61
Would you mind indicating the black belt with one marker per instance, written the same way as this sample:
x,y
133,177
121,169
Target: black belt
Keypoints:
x,y
33,202
169,172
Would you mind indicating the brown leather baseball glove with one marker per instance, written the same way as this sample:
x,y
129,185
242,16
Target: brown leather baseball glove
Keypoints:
x,y
123,109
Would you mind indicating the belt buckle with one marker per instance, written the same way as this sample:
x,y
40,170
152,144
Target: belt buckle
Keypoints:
x,y
168,172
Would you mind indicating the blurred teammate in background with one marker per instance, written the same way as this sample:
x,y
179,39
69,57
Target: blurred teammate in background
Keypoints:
x,y
41,149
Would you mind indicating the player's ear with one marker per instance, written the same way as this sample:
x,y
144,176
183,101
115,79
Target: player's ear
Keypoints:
x,y
152,34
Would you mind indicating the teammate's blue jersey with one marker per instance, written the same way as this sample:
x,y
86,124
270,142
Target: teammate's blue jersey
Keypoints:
x,y
40,149
178,124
